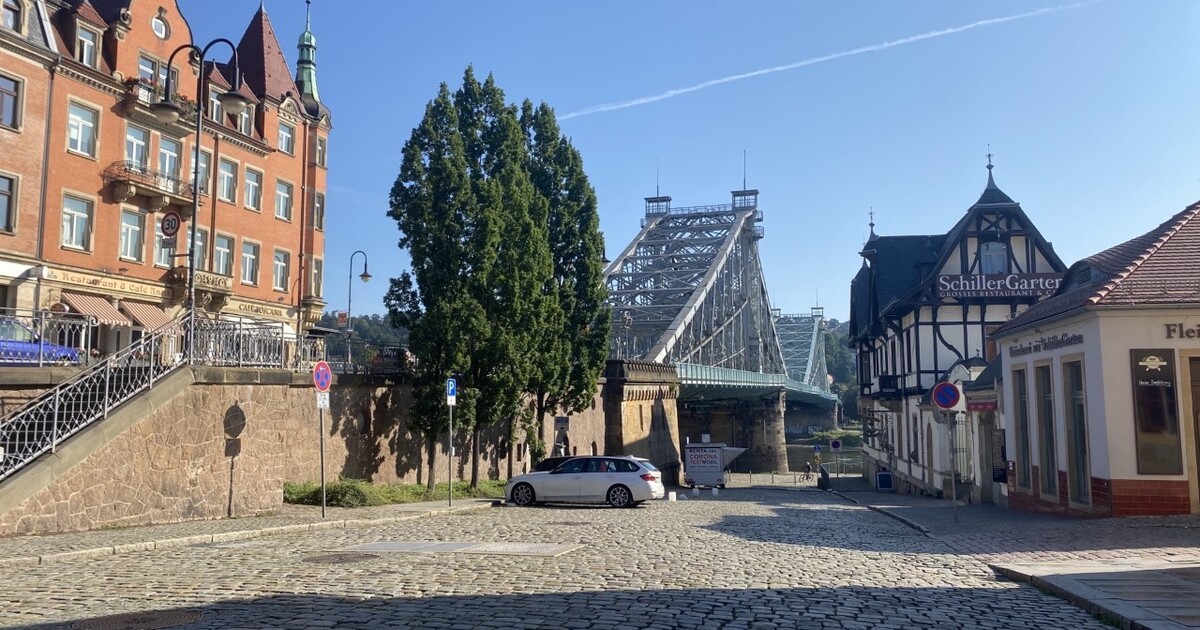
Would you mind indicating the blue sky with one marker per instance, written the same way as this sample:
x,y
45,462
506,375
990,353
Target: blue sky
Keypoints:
x,y
1090,110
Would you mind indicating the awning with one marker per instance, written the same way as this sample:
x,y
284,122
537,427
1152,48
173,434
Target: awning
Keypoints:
x,y
147,316
97,307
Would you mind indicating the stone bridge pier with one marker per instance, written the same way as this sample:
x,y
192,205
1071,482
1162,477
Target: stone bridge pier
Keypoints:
x,y
766,441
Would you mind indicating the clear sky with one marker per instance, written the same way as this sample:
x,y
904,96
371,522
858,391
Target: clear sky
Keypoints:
x,y
1090,109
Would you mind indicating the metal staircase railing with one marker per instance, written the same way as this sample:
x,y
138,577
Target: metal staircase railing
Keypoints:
x,y
42,424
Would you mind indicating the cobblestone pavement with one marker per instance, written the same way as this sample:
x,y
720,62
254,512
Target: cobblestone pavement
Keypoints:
x,y
750,558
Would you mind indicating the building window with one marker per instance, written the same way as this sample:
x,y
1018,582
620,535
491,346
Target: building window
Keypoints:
x,y
1155,414
76,223
161,29
168,157
1075,405
223,255
245,121
249,263
137,141
205,163
202,250
10,15
152,79
286,138
10,92
993,258
254,190
318,277
227,181
85,47
131,235
1047,456
319,211
163,256
283,200
215,113
320,152
81,130
281,270
8,193
1021,411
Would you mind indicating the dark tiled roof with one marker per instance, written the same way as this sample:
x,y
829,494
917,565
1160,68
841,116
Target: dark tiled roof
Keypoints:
x,y
986,379
860,302
992,193
110,10
1158,267
88,13
262,61
901,263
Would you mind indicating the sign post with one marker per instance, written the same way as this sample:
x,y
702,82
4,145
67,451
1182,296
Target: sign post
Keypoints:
x,y
947,397
835,447
322,378
451,400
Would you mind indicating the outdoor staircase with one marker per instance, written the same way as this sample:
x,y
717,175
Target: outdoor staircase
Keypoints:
x,y
88,397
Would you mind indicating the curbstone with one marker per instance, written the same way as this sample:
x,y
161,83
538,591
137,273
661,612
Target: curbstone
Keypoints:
x,y
20,561
168,543
131,547
78,554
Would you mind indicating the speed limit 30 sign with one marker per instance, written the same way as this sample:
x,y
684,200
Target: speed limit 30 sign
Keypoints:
x,y
171,221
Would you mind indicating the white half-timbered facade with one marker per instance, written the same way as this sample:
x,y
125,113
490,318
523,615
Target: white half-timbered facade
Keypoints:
x,y
921,309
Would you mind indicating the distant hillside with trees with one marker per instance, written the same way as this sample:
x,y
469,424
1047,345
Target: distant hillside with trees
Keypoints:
x,y
376,329
839,361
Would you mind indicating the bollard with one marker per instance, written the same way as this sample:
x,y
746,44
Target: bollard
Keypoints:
x,y
751,478
695,491
714,492
794,482
670,496
772,477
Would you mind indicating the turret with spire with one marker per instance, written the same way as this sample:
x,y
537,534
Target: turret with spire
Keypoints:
x,y
306,67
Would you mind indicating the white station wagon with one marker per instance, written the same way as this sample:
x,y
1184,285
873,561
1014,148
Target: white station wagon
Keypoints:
x,y
617,481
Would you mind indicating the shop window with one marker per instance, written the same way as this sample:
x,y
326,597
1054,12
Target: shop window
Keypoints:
x,y
1047,456
1156,417
1021,415
1075,405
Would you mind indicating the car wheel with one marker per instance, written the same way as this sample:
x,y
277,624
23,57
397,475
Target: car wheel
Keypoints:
x,y
619,497
522,495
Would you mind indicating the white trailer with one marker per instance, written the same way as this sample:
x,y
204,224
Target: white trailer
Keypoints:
x,y
705,464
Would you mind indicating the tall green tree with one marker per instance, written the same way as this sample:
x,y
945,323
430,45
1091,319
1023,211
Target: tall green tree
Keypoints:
x,y
573,339
513,292
441,222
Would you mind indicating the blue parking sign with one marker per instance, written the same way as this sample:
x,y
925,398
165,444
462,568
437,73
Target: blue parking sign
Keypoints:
x,y
451,387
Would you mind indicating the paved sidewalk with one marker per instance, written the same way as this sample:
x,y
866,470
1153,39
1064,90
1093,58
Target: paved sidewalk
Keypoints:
x,y
45,549
1139,572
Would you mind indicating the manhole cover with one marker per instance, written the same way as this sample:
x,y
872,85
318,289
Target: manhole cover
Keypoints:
x,y
140,620
421,547
341,558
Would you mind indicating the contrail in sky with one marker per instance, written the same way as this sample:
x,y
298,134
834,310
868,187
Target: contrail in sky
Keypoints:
x,y
608,107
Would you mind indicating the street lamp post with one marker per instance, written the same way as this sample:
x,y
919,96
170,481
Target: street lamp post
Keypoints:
x,y
350,300
167,112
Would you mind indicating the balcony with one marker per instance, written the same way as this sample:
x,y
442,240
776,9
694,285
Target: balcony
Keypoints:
x,y
888,383
130,179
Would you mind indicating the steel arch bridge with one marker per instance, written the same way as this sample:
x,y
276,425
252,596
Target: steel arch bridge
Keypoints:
x,y
690,291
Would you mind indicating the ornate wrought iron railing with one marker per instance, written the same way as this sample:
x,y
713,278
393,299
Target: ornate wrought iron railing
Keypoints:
x,y
146,176
40,338
40,426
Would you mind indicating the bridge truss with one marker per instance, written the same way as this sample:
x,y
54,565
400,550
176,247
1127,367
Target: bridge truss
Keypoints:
x,y
690,289
803,340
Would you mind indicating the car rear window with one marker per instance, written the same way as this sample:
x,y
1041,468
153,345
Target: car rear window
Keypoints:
x,y
647,464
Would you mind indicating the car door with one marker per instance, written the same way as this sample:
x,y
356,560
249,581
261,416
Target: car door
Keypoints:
x,y
598,477
562,484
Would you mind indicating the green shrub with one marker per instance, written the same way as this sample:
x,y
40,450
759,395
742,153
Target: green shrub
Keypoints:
x,y
359,493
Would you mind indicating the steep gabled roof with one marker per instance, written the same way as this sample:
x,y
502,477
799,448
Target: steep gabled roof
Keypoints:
x,y
110,10
262,61
902,263
1158,267
88,13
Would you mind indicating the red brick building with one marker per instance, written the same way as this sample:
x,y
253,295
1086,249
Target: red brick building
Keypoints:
x,y
93,171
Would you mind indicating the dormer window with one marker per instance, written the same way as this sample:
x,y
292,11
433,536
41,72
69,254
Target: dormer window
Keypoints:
x,y
993,258
85,47
215,113
245,122
10,15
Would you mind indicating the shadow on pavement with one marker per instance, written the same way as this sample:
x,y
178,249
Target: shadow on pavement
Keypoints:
x,y
934,607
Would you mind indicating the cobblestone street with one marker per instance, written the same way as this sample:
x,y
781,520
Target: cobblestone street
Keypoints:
x,y
751,558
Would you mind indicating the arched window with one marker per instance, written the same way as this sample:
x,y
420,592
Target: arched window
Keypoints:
x,y
993,258
11,15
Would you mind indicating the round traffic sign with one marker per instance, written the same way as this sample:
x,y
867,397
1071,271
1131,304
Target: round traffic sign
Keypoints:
x,y
322,376
945,395
171,221
835,445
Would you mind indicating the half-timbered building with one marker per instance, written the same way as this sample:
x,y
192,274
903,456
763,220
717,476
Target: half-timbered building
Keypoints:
x,y
922,307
